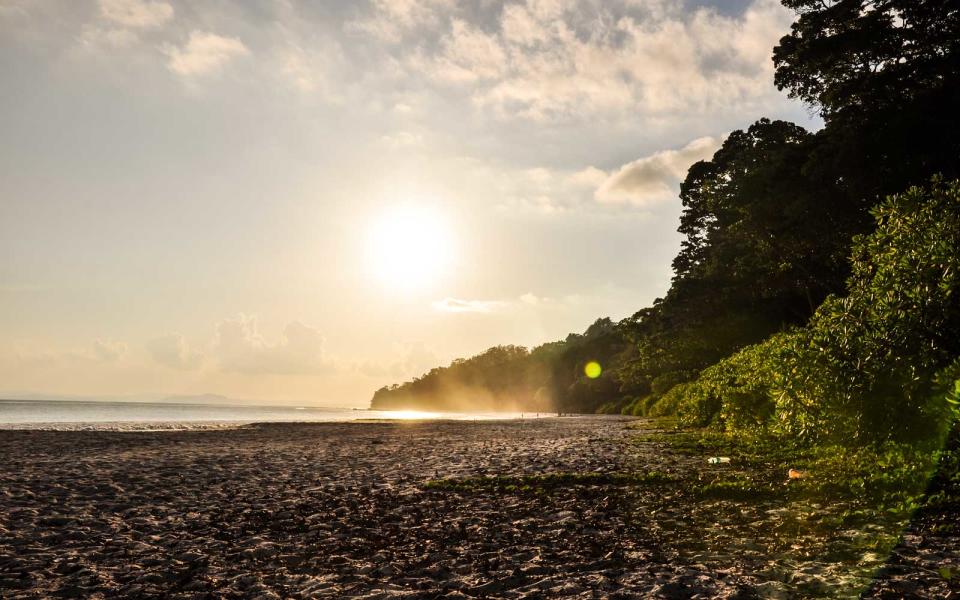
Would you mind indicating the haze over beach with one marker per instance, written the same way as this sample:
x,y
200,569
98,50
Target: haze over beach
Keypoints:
x,y
466,299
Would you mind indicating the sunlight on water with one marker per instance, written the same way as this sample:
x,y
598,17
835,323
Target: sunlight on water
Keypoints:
x,y
127,415
410,414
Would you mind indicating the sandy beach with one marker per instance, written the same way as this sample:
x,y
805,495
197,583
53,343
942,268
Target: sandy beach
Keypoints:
x,y
345,510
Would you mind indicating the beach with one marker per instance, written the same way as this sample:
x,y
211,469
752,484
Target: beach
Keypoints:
x,y
361,510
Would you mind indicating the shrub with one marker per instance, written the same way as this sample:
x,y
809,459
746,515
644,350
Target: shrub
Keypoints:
x,y
693,403
865,369
875,353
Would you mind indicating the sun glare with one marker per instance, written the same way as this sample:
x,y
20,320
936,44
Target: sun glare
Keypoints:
x,y
411,415
410,247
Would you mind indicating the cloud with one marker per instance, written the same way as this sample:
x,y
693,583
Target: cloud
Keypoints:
x,y
298,67
402,140
392,20
94,37
590,177
563,60
101,350
173,351
455,305
531,299
414,359
204,53
312,64
654,178
108,350
468,55
240,347
140,14
539,190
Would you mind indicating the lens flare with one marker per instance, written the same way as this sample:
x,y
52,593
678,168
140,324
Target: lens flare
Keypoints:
x,y
592,369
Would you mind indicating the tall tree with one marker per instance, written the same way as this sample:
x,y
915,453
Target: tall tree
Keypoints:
x,y
759,228
885,75
764,243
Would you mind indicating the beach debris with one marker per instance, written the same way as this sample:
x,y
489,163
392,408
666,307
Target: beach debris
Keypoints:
x,y
718,460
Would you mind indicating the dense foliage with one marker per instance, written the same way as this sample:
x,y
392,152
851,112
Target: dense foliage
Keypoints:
x,y
885,75
878,363
764,245
550,377
815,292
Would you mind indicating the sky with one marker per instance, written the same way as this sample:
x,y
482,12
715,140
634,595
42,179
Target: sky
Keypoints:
x,y
301,202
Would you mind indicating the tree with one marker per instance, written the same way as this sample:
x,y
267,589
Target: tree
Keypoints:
x,y
764,243
511,378
875,364
885,75
868,55
758,227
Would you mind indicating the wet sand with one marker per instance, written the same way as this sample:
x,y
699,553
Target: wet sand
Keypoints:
x,y
341,510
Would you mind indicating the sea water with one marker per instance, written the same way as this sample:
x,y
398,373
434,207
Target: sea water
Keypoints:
x,y
46,414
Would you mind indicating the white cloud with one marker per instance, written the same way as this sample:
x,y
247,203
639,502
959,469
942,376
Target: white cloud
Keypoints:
x,y
570,60
391,20
240,347
300,70
468,55
532,299
456,305
204,53
311,64
173,351
655,178
140,14
108,350
590,177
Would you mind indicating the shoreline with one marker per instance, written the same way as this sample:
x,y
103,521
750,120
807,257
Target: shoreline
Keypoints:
x,y
206,425
129,416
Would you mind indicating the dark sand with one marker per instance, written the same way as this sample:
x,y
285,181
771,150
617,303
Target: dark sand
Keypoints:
x,y
339,510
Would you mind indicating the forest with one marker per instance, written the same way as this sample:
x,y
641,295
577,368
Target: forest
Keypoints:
x,y
816,293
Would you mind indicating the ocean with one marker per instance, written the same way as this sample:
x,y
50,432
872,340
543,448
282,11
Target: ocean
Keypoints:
x,y
44,414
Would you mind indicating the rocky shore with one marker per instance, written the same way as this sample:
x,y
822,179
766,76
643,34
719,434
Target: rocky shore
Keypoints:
x,y
348,510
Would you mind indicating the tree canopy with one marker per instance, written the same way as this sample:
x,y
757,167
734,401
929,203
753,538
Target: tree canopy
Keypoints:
x,y
885,76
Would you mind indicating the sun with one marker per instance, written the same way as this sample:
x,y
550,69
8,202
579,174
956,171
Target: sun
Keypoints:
x,y
410,247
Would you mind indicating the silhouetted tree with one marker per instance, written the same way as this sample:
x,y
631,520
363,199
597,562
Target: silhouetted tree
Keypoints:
x,y
885,75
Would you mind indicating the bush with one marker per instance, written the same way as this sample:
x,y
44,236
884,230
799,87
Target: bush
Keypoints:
x,y
693,403
665,382
741,392
875,353
876,365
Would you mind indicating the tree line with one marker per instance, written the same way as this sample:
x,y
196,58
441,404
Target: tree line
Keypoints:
x,y
816,289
